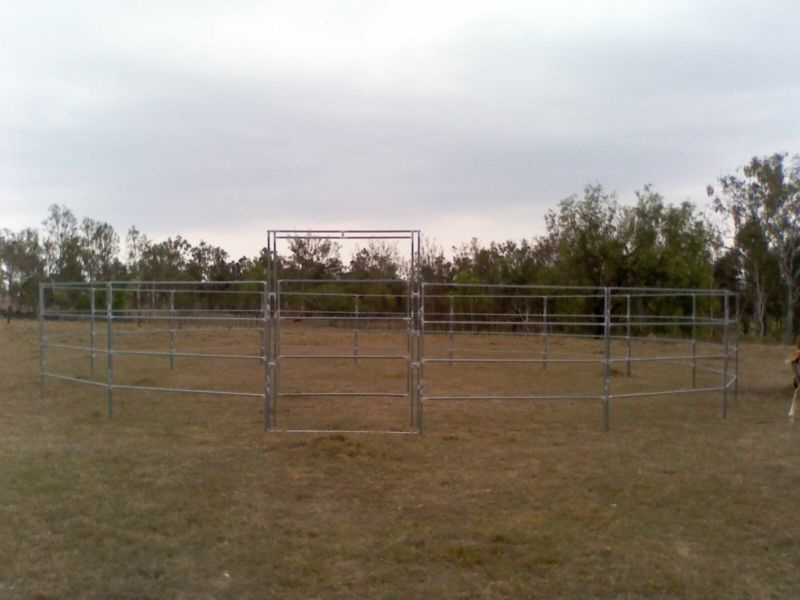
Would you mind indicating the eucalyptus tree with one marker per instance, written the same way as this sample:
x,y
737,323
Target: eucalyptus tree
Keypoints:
x,y
763,207
62,245
208,263
164,261
136,243
100,247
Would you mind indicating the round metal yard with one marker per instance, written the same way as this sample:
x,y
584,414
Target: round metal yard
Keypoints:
x,y
355,355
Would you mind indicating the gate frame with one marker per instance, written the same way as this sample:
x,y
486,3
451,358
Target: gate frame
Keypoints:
x,y
413,283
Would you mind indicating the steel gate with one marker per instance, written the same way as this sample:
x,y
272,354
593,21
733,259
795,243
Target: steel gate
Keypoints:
x,y
362,337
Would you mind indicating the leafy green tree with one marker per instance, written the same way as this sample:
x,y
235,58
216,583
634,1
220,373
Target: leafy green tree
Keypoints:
x,y
434,266
208,263
100,247
763,207
313,259
136,243
779,191
379,260
584,235
666,245
62,245
22,265
164,261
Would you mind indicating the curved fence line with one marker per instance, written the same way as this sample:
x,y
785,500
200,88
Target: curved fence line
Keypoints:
x,y
485,326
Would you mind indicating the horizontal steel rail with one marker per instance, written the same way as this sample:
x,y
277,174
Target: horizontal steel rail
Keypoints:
x,y
303,328
343,318
52,361
502,323
400,294
427,285
201,318
650,291
345,431
667,358
667,392
75,379
333,314
148,291
285,282
526,397
187,354
182,330
343,394
554,297
344,356
521,361
70,347
332,234
148,388
66,316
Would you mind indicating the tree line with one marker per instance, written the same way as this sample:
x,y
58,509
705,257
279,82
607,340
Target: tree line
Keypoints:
x,y
749,242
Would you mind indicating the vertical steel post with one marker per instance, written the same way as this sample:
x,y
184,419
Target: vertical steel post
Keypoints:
x,y
450,330
725,359
736,364
694,340
110,348
544,332
414,352
607,361
628,335
272,294
92,328
421,361
276,375
355,331
264,352
410,356
172,329
41,340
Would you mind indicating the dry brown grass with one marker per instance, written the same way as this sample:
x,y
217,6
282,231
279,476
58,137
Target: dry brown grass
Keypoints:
x,y
186,497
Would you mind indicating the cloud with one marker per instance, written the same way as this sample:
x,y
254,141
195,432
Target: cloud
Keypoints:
x,y
457,117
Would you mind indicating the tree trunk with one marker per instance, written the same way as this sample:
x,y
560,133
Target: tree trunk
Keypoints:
x,y
759,309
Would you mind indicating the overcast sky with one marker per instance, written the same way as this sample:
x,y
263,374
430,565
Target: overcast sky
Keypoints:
x,y
219,120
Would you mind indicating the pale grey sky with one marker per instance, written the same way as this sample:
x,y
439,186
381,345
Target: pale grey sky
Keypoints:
x,y
219,120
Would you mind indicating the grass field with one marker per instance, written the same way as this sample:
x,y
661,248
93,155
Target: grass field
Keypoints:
x,y
186,497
